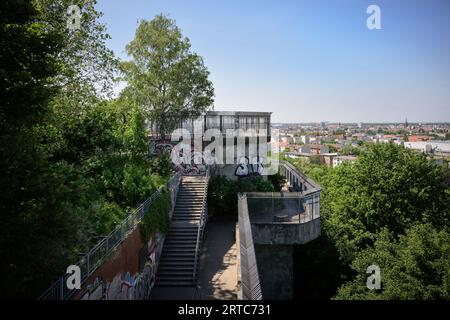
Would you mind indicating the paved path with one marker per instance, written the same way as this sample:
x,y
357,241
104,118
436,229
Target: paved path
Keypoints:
x,y
218,266
218,262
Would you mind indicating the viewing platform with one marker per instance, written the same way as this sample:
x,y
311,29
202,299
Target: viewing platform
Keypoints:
x,y
270,225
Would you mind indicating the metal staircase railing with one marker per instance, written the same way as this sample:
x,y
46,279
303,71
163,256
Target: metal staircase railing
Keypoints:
x,y
92,260
201,224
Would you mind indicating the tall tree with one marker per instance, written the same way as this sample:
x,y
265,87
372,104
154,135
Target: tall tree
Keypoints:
x,y
89,65
388,187
164,77
416,266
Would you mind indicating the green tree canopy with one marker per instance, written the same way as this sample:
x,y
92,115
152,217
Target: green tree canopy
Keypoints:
x,y
164,77
388,187
416,266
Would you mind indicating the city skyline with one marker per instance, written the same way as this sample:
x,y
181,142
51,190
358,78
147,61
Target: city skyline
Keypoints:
x,y
311,61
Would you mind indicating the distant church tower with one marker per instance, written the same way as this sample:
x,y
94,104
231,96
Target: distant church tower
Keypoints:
x,y
406,122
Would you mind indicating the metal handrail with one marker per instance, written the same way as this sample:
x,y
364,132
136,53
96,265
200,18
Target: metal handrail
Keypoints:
x,y
288,166
200,226
250,285
90,261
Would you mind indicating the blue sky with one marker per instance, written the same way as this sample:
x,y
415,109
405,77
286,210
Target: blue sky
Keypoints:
x,y
311,60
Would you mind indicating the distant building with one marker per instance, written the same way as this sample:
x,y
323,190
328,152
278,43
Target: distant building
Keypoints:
x,y
416,138
314,149
337,161
328,158
297,139
435,147
286,138
304,139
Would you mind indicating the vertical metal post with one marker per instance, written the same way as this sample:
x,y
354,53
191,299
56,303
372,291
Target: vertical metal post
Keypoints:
x,y
88,257
273,205
61,293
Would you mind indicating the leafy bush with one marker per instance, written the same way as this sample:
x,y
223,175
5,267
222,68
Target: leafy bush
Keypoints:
x,y
222,192
157,218
222,195
416,266
277,181
390,208
161,165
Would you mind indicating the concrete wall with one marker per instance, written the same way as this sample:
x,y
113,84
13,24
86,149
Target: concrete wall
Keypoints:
x,y
228,170
285,233
129,274
275,267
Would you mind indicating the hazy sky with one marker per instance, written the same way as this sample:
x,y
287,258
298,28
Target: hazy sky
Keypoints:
x,y
311,60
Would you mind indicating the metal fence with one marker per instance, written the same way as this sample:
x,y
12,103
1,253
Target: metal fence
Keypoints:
x,y
105,247
298,181
251,286
201,225
273,207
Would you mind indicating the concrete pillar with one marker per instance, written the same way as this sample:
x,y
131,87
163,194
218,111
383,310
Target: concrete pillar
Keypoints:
x,y
276,271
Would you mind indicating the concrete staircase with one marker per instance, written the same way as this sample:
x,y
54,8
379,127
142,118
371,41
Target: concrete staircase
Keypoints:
x,y
176,266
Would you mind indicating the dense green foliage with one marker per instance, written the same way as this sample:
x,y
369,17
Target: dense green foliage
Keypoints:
x,y
414,266
157,217
73,164
222,192
350,150
277,180
390,208
164,77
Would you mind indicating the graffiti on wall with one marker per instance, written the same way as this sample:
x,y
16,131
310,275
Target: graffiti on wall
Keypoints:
x,y
192,168
126,286
159,146
245,169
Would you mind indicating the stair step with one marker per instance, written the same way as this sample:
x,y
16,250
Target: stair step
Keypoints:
x,y
181,254
176,274
191,237
185,262
187,214
178,255
181,258
169,267
183,233
182,242
183,228
176,263
170,283
188,195
171,248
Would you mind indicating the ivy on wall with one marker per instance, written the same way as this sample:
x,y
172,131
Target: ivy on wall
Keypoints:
x,y
157,218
